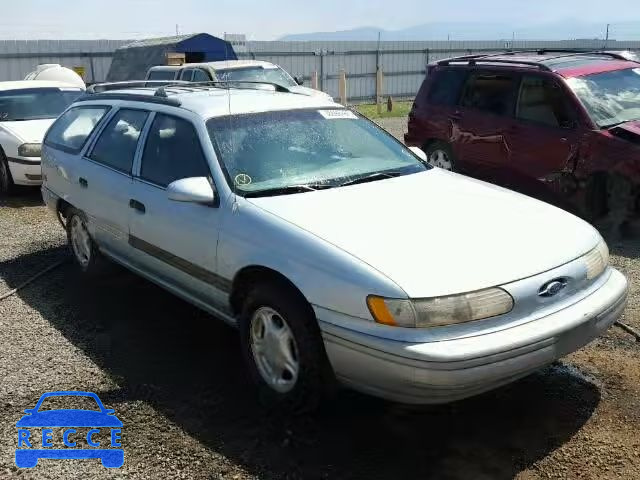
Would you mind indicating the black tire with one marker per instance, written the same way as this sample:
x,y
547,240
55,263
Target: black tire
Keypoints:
x,y
94,264
315,380
431,148
6,180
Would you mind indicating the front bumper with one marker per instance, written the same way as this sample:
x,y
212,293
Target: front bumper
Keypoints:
x,y
449,370
25,171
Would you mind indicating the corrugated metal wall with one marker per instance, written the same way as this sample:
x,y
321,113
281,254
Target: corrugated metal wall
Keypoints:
x,y
19,57
403,63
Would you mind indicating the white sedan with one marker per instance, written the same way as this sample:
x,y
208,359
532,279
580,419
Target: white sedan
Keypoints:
x,y
27,110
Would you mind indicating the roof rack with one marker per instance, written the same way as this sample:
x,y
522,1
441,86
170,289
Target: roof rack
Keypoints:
x,y
105,87
579,51
473,60
130,96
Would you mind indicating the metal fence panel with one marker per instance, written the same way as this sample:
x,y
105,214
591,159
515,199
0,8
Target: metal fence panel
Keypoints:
x,y
402,62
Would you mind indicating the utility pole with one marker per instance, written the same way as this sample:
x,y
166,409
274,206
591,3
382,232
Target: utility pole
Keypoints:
x,y
177,30
606,38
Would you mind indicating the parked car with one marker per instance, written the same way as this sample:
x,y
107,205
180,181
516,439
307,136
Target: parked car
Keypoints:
x,y
336,251
561,126
232,71
27,109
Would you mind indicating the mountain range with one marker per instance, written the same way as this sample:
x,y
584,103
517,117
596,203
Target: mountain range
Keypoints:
x,y
560,30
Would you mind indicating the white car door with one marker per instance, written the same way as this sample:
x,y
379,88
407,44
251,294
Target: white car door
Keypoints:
x,y
175,241
105,180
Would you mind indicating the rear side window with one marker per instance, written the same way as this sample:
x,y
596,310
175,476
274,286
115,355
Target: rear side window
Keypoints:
x,y
490,92
186,74
200,76
446,86
71,130
117,143
172,152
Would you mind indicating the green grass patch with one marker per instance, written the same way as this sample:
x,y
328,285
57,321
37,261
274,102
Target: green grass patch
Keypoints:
x,y
400,109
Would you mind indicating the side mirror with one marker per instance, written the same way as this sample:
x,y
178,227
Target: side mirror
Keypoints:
x,y
192,190
418,152
30,410
299,80
109,411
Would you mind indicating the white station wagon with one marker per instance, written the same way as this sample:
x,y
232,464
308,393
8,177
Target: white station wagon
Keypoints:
x,y
336,251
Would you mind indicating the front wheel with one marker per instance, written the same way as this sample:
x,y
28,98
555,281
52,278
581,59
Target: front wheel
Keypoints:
x,y
6,180
440,154
283,349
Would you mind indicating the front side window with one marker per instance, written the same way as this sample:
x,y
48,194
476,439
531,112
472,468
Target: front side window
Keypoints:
x,y
543,101
272,74
610,98
172,152
446,86
35,103
116,146
267,153
72,129
490,92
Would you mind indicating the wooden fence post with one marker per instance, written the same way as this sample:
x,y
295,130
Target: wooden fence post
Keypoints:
x,y
343,87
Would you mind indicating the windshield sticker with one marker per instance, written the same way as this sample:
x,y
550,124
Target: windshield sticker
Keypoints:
x,y
243,179
336,114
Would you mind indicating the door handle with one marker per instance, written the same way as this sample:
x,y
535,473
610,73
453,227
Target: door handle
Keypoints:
x,y
136,205
83,182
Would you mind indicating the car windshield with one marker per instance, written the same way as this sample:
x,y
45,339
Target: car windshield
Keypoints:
x,y
298,150
257,74
35,103
610,98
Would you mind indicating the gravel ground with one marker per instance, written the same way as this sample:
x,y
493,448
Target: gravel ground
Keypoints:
x,y
175,379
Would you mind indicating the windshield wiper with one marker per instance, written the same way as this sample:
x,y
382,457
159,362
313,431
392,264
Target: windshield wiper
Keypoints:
x,y
370,178
288,189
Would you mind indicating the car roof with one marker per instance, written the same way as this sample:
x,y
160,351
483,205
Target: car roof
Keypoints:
x,y
566,64
25,84
210,102
219,65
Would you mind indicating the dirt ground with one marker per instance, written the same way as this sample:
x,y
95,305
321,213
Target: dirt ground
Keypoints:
x,y
175,379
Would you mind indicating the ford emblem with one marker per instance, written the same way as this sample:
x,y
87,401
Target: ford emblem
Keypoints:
x,y
552,287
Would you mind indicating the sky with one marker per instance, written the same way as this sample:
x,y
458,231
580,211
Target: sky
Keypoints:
x,y
270,19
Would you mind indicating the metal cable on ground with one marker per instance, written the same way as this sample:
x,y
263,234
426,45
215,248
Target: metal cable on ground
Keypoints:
x,y
629,330
31,279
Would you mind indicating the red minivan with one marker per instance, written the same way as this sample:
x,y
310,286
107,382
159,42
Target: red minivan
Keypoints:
x,y
561,126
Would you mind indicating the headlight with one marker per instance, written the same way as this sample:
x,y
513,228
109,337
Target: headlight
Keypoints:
x,y
439,311
30,149
597,260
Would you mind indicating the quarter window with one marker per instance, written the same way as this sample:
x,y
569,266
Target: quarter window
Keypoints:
x,y
172,152
490,92
73,128
117,143
542,101
445,87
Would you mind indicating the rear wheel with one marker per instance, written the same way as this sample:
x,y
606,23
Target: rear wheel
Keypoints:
x,y
440,154
283,349
85,251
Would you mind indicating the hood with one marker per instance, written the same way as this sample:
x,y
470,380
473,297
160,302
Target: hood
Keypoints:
x,y
311,92
628,131
29,131
436,233
69,418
